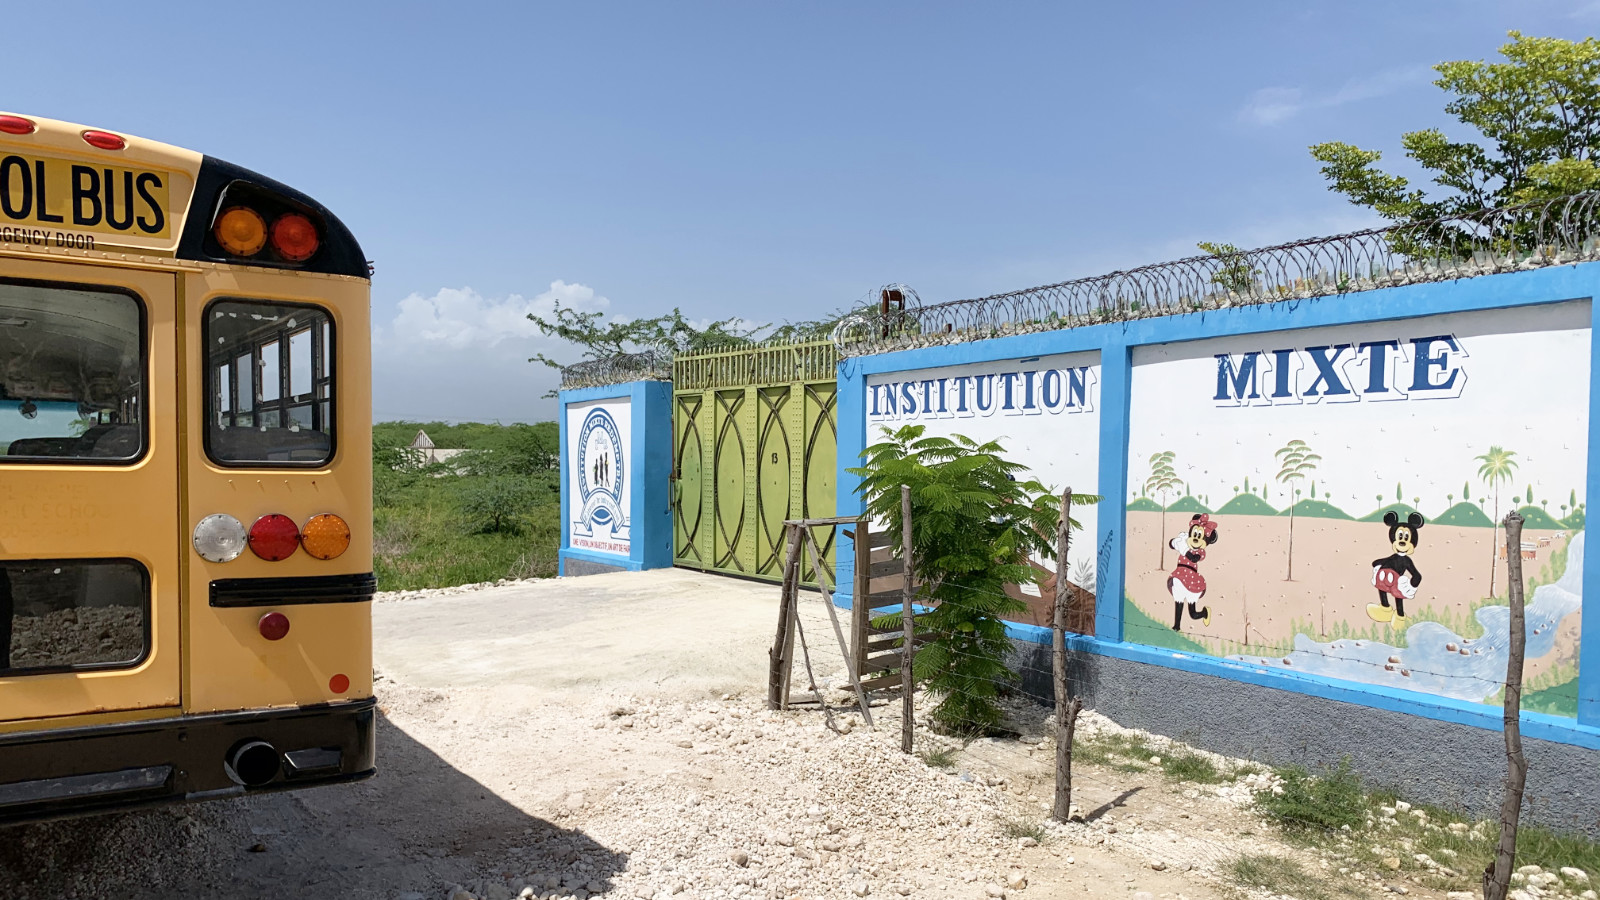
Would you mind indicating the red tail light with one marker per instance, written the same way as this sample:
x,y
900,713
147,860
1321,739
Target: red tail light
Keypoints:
x,y
294,237
274,537
16,125
105,140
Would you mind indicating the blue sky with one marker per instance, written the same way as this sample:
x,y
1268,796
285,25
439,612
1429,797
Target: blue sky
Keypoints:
x,y
772,160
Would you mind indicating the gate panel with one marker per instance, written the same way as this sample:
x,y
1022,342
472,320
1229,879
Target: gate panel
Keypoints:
x,y
821,456
729,509
754,443
774,497
688,476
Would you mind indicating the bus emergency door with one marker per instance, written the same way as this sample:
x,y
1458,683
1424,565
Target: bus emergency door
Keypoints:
x,y
90,543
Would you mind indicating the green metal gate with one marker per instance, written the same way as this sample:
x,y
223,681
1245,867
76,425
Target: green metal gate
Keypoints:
x,y
754,443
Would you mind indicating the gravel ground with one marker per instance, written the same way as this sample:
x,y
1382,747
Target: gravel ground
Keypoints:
x,y
626,780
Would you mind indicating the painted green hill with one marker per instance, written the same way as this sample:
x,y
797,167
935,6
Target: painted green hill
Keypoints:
x,y
1317,509
1139,628
1574,522
1190,504
1144,504
1464,514
1534,517
1560,700
1404,509
1246,505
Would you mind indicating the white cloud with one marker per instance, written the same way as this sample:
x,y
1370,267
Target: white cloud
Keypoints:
x,y
461,317
460,356
1272,105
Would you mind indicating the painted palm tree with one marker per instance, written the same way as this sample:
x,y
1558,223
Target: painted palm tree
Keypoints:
x,y
1496,466
1163,480
1295,461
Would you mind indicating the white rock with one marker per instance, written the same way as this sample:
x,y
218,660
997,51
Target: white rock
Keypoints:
x,y
1577,875
1016,880
860,889
994,890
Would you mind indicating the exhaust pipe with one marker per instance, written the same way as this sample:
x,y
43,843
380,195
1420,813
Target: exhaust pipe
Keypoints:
x,y
253,763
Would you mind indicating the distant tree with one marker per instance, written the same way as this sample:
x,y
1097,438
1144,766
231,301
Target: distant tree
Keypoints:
x,y
1466,490
496,504
1295,460
1538,116
1572,500
1248,491
1496,466
1449,500
1529,494
1163,480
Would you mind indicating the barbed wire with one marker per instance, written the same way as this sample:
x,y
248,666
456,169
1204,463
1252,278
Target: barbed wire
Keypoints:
x,y
646,365
1558,231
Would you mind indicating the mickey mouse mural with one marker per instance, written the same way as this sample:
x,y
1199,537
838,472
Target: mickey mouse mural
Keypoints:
x,y
1396,576
1186,585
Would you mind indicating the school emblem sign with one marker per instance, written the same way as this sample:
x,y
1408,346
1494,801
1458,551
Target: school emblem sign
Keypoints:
x,y
600,520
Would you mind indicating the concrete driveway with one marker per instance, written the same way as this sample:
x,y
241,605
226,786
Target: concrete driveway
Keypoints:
x,y
701,633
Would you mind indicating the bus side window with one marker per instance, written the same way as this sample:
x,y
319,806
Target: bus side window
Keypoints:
x,y
281,407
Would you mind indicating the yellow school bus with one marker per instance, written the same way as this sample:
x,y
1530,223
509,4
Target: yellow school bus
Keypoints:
x,y
185,479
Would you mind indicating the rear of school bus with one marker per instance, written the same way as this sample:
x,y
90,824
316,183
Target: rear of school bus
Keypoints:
x,y
185,479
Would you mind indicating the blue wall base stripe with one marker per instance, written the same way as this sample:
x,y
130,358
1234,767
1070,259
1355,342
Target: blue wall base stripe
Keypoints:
x,y
605,559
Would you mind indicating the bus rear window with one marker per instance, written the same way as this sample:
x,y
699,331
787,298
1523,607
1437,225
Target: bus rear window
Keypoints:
x,y
269,384
72,613
72,385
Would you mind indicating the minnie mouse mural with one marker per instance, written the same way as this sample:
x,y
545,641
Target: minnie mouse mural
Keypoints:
x,y
1186,585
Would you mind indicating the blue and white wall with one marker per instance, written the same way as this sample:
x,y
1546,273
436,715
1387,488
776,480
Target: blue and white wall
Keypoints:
x,y
1389,401
615,510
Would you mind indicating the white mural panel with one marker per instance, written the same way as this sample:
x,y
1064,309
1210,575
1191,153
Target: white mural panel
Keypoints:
x,y
600,482
1326,500
1044,411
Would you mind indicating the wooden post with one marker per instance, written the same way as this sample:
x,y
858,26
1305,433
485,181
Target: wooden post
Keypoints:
x,y
782,654
1497,877
1067,706
908,646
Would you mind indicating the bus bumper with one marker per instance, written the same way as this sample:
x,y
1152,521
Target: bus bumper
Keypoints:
x,y
76,771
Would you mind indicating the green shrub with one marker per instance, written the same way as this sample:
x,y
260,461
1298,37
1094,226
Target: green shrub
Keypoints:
x,y
499,504
974,525
1323,802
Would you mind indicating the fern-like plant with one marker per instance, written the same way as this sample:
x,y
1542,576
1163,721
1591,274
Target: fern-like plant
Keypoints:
x,y
974,524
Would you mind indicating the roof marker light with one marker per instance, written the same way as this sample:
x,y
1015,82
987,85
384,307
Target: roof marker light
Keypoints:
x,y
294,237
16,125
105,140
241,231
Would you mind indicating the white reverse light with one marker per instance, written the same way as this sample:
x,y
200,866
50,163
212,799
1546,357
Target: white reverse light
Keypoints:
x,y
219,538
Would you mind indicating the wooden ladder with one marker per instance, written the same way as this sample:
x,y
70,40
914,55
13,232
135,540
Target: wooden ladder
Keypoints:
x,y
879,589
